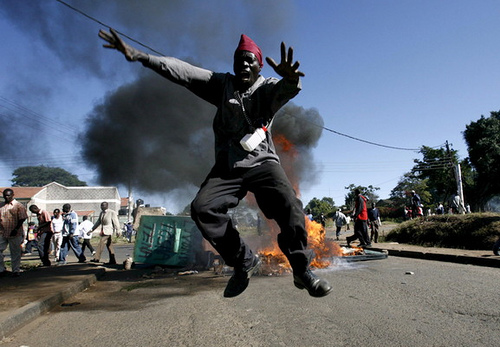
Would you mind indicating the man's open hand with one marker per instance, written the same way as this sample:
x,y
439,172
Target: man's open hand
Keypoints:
x,y
286,68
115,42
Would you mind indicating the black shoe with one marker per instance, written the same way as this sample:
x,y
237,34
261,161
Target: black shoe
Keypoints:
x,y
314,285
95,261
112,260
348,240
239,280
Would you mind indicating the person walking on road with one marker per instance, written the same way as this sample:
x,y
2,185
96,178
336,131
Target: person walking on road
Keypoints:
x,y
44,234
70,236
340,219
57,226
360,221
107,224
30,239
85,231
375,222
12,216
128,230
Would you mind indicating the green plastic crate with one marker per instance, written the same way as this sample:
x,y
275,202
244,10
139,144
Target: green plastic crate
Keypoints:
x,y
167,240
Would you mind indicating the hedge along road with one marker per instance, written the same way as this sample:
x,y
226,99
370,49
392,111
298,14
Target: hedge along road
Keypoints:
x,y
394,301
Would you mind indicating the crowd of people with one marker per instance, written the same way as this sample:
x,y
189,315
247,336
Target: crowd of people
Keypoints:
x,y
415,209
367,220
55,234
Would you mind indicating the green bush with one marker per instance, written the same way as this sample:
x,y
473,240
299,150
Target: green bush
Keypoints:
x,y
392,213
470,231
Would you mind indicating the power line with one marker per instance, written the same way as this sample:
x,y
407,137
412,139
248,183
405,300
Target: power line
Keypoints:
x,y
107,26
31,118
370,142
357,138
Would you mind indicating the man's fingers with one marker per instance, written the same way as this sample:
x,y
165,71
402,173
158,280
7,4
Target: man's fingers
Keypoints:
x,y
108,38
286,66
290,54
115,34
112,38
105,36
271,62
102,34
283,52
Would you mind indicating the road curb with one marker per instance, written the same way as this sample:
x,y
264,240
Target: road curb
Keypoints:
x,y
451,258
27,313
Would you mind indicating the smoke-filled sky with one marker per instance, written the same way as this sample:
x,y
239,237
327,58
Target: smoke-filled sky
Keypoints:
x,y
397,73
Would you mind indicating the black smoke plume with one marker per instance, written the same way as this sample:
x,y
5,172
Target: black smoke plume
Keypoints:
x,y
302,128
150,134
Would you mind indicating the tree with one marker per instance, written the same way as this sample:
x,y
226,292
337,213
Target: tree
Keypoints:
x,y
401,194
437,169
483,142
325,206
368,192
38,176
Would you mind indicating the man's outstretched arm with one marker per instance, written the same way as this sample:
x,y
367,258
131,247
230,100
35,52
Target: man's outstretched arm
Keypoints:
x,y
115,42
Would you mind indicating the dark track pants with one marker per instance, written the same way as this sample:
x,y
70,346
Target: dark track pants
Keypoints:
x,y
360,232
44,247
223,189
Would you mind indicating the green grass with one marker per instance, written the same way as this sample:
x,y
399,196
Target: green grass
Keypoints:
x,y
471,231
26,265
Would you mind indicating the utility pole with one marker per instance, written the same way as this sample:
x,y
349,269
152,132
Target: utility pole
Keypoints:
x,y
460,190
458,176
130,203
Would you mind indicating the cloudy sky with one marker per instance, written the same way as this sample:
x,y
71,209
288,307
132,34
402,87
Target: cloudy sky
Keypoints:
x,y
399,74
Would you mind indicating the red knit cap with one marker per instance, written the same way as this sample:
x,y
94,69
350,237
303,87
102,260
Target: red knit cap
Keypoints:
x,y
247,44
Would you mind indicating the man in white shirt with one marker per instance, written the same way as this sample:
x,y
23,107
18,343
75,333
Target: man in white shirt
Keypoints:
x,y
85,229
340,219
57,225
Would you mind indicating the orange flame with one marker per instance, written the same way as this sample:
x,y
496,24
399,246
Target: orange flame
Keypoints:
x,y
324,249
285,145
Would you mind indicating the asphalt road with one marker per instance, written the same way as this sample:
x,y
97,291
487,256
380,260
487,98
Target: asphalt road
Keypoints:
x,y
390,302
